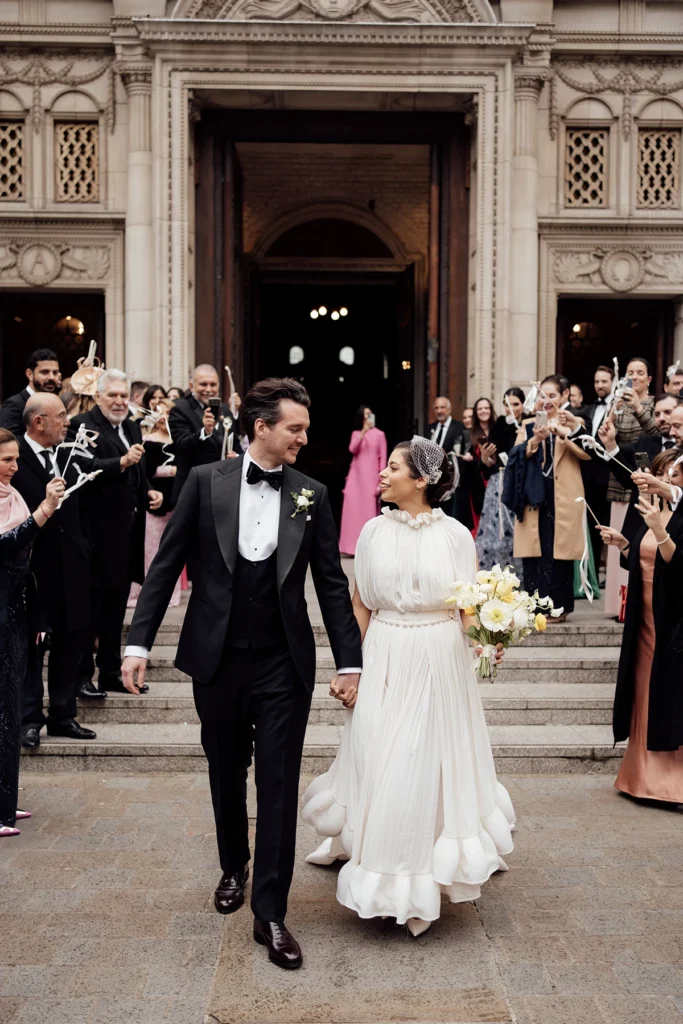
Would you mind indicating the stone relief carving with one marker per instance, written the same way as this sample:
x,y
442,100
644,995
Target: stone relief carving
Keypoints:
x,y
620,269
39,262
338,10
626,77
41,67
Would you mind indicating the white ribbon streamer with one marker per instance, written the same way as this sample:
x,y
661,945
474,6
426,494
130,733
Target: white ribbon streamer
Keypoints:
x,y
585,557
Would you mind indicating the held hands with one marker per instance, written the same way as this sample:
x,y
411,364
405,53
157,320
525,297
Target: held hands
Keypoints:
x,y
54,492
132,456
208,421
613,538
133,673
344,687
156,500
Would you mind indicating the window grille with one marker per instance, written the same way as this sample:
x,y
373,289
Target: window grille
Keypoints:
x,y
77,162
659,163
586,167
11,160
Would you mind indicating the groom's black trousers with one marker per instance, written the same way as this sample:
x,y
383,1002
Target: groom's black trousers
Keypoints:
x,y
256,703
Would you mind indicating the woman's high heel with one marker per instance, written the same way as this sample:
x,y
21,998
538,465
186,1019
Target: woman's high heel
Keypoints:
x,y
416,926
8,830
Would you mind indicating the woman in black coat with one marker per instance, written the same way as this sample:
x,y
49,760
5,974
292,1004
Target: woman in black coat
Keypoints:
x,y
18,528
648,706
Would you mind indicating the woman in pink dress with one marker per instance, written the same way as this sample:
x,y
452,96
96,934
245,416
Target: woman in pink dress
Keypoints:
x,y
361,491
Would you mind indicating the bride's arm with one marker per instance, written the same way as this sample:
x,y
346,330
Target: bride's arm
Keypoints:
x,y
362,613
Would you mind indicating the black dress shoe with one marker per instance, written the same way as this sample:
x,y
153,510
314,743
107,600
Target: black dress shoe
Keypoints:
x,y
89,690
115,685
30,736
70,728
283,949
229,896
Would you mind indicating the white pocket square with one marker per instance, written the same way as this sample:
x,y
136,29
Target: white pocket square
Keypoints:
x,y
308,519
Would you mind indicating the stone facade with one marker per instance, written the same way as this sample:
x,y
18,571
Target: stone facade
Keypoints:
x,y
576,112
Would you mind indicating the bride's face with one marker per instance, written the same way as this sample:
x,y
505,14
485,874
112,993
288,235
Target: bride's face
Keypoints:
x,y
396,484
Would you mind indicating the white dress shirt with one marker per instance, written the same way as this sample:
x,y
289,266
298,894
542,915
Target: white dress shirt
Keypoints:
x,y
440,431
38,448
598,416
259,524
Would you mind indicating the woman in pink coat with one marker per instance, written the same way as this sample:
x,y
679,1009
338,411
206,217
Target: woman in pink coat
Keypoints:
x,y
361,491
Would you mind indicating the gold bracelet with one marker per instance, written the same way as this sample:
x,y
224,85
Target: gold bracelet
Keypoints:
x,y
660,542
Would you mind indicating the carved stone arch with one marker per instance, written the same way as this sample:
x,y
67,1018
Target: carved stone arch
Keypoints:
x,y
15,105
662,108
330,211
589,108
96,107
435,11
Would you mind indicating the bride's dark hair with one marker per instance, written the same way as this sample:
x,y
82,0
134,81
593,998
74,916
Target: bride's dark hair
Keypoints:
x,y
434,493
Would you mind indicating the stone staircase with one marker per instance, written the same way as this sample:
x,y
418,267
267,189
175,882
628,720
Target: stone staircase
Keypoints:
x,y
549,711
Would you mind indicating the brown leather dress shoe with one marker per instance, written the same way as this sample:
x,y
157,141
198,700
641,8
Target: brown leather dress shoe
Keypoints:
x,y
229,896
283,949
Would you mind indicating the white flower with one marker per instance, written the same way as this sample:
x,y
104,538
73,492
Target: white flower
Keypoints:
x,y
464,595
520,617
495,616
302,501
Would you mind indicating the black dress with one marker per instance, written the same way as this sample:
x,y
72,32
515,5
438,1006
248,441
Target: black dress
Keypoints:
x,y
15,552
156,455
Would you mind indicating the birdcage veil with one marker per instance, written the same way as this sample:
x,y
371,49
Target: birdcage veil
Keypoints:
x,y
428,458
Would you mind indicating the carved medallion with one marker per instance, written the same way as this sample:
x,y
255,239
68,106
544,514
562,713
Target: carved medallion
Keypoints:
x,y
622,270
38,263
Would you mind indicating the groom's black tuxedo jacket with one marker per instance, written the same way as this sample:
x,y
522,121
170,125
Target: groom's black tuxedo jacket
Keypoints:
x,y
203,532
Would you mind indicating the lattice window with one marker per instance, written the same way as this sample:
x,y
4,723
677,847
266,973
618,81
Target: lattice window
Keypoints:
x,y
11,160
586,167
659,167
76,162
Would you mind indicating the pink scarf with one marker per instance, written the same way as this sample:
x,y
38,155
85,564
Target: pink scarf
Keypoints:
x,y
13,508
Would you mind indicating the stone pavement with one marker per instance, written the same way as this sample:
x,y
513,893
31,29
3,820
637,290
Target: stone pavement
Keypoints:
x,y
105,904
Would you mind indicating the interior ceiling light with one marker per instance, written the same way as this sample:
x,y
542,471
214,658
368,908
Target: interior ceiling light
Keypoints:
x,y
343,311
335,315
322,310
576,328
314,314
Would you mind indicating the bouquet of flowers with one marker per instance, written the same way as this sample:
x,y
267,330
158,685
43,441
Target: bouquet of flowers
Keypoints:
x,y
503,613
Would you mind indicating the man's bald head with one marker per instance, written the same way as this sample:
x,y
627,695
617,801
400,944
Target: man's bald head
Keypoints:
x,y
204,383
442,408
45,419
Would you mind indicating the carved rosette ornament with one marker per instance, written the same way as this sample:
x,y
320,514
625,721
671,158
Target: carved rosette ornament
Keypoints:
x,y
39,262
620,269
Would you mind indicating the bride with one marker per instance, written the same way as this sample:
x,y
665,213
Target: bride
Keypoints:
x,y
412,801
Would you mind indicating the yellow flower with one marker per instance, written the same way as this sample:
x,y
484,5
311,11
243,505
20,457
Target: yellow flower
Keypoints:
x,y
507,598
541,623
470,611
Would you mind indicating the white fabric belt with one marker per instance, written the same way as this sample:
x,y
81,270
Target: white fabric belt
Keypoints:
x,y
394,618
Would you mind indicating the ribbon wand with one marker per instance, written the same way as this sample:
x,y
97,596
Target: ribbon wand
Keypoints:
x,y
233,392
590,510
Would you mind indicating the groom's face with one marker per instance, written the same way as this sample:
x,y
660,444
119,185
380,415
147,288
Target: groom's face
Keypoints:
x,y
285,439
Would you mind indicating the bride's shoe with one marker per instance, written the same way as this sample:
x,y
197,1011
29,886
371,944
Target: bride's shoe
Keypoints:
x,y
416,926
325,854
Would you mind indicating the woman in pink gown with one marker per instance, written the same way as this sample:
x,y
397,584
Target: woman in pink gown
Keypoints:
x,y
361,491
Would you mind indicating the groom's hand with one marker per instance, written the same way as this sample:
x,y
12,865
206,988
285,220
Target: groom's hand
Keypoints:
x,y
345,688
133,673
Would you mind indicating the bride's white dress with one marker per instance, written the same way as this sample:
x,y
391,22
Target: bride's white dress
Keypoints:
x,y
412,799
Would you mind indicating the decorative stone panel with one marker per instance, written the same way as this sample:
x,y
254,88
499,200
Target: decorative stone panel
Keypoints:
x,y
11,160
659,168
77,162
586,167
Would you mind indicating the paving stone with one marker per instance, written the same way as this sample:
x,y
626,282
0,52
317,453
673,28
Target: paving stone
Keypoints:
x,y
525,979
131,1011
178,982
584,979
519,949
641,1010
651,979
562,1010
22,980
56,1011
608,922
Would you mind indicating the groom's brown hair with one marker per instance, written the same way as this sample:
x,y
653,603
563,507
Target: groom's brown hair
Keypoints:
x,y
262,401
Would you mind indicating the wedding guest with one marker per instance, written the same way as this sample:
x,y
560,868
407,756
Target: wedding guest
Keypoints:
x,y
18,530
368,447
445,430
596,472
161,470
175,394
549,528
674,380
115,505
60,563
467,417
137,392
648,706
152,396
197,434
469,496
575,397
495,535
633,416
42,373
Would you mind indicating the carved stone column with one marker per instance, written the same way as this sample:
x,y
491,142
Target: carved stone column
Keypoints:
x,y
524,228
139,301
678,328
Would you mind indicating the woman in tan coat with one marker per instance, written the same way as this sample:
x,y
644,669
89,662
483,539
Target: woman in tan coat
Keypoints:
x,y
542,487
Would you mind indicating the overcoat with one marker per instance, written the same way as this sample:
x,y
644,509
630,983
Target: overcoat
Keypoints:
x,y
665,713
569,538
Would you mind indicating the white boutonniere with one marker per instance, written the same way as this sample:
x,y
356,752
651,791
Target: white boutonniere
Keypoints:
x,y
302,502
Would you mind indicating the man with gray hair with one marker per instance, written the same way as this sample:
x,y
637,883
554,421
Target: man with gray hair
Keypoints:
x,y
115,505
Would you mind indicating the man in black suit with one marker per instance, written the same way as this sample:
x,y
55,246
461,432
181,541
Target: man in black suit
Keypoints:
x,y
249,529
60,563
596,472
115,505
42,371
445,430
669,422
198,436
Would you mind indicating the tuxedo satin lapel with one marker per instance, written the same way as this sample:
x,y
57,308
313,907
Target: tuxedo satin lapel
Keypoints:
x,y
225,504
290,531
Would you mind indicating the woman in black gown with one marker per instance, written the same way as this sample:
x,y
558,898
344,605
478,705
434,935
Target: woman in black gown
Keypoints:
x,y
17,531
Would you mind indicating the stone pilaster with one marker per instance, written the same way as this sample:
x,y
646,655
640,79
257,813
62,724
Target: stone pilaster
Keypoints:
x,y
139,250
678,328
522,360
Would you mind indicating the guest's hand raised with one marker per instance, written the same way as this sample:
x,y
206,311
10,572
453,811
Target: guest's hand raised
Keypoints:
x,y
650,510
132,456
54,492
607,434
613,538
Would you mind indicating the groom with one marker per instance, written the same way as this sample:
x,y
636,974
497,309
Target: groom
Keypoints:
x,y
248,529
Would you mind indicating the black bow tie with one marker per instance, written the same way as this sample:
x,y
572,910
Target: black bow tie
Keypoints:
x,y
668,442
255,475
601,401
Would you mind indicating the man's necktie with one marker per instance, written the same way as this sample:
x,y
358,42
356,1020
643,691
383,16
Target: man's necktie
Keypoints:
x,y
46,456
255,475
440,431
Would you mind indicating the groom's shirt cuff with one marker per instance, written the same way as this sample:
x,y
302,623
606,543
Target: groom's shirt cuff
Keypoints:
x,y
136,652
349,671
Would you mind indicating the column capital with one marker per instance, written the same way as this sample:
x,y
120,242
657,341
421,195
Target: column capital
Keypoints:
x,y
136,77
529,81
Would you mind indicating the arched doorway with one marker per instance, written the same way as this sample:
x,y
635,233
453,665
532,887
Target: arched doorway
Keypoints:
x,y
333,304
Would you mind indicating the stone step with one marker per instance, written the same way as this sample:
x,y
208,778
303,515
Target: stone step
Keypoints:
x,y
123,749
504,704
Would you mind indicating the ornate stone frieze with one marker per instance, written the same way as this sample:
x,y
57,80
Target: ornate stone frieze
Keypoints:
x,y
621,268
39,68
590,76
449,11
40,261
